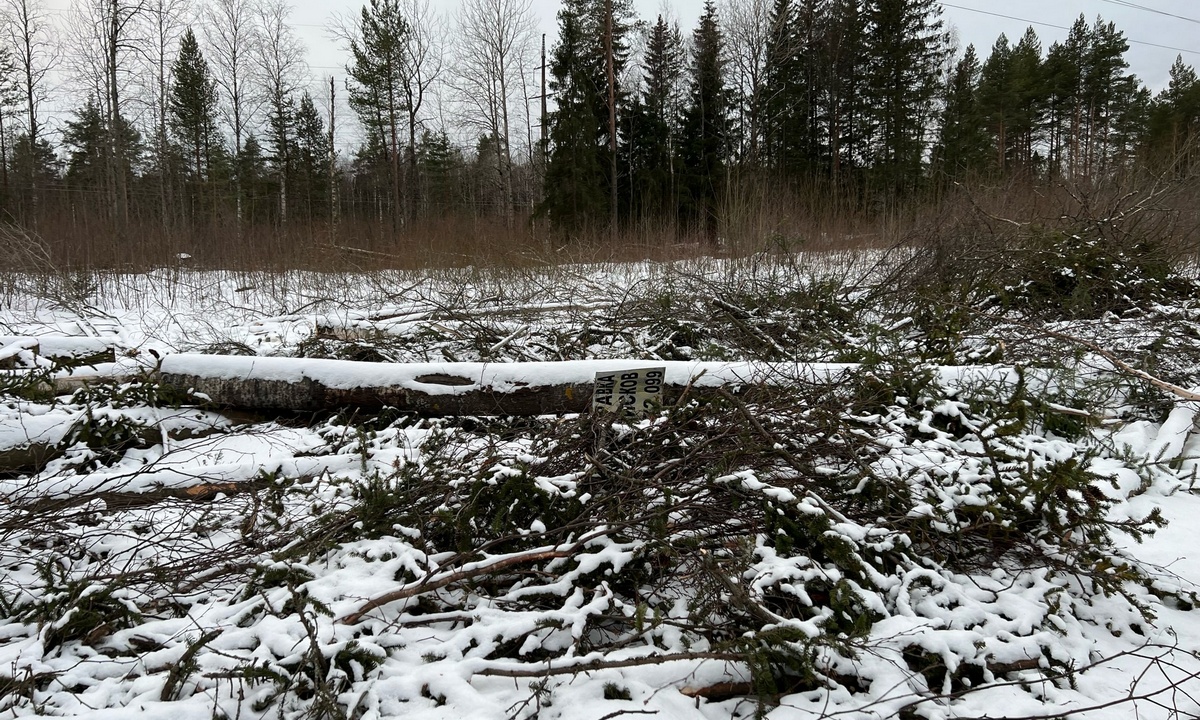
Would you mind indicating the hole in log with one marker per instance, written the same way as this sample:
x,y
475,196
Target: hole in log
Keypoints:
x,y
440,379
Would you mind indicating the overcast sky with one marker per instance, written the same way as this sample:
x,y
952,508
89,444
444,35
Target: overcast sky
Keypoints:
x,y
1171,25
975,21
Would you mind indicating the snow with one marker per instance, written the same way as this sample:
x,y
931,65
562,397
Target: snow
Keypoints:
x,y
430,662
502,377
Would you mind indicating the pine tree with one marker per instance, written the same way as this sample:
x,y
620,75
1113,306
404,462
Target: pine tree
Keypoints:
x,y
906,49
1013,96
377,95
1108,94
706,125
1174,120
998,100
1028,88
1063,83
1130,127
1089,94
193,107
962,147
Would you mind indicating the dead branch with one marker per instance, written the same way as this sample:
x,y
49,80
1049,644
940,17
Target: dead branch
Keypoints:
x,y
1124,366
608,664
129,500
429,584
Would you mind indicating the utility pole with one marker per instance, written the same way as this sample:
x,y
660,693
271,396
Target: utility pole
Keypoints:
x,y
612,115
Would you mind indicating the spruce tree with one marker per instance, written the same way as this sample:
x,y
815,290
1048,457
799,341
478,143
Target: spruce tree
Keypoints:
x,y
962,147
193,106
311,157
787,110
652,145
251,166
440,165
844,106
706,125
280,137
9,97
578,180
90,165
906,48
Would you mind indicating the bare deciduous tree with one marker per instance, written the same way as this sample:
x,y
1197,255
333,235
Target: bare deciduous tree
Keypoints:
x,y
748,30
232,37
106,35
31,45
281,71
165,20
424,51
496,40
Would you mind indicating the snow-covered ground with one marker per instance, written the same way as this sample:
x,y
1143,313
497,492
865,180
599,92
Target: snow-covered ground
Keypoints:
x,y
322,566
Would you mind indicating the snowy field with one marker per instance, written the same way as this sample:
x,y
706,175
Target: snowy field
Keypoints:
x,y
856,508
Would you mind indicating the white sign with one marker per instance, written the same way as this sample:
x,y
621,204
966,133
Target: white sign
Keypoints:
x,y
637,390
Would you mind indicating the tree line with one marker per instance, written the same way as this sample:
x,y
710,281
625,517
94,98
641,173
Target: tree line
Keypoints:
x,y
861,103
200,121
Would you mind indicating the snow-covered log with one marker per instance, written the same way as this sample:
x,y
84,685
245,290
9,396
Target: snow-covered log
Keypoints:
x,y
74,351
432,389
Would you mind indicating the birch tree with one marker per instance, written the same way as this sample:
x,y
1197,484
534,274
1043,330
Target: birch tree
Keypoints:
x,y
32,53
106,35
281,71
749,33
165,20
495,41
232,42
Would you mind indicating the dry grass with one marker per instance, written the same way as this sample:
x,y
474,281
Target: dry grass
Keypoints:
x,y
759,215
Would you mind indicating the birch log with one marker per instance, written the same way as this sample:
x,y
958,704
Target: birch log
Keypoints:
x,y
431,389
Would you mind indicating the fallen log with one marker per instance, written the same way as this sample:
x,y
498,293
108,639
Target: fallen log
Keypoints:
x,y
430,389
27,459
68,351
28,450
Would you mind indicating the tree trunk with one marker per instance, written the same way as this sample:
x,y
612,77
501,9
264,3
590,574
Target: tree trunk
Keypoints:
x,y
116,140
506,173
263,384
612,116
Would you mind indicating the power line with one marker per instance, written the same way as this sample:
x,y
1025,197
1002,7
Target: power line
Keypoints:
x,y
1135,6
1064,27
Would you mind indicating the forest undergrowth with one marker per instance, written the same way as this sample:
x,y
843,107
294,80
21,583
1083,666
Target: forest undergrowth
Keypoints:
x,y
975,511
